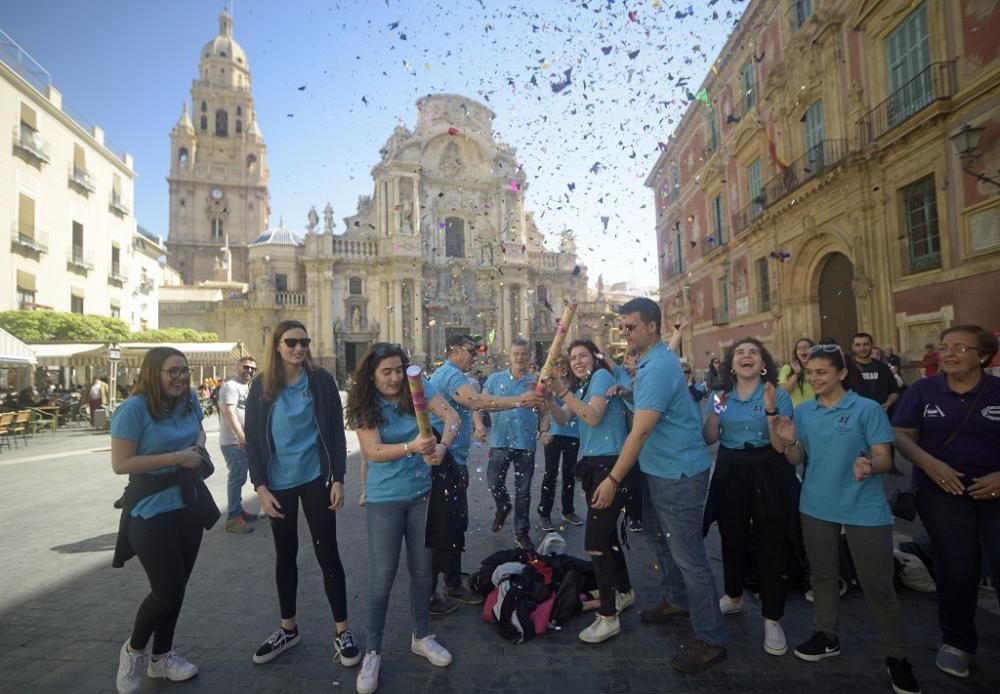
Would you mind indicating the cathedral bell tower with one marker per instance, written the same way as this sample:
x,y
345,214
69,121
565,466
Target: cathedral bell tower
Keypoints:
x,y
218,171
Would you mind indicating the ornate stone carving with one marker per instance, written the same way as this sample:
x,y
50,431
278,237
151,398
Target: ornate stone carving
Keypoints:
x,y
451,160
312,220
328,218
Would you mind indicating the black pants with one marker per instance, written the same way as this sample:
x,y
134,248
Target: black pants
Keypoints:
x,y
601,534
567,448
315,499
632,486
167,546
740,503
449,561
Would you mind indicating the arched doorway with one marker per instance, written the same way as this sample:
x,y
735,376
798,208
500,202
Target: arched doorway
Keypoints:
x,y
837,309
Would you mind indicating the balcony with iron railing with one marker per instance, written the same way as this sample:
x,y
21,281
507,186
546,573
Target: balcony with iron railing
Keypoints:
x,y
938,81
28,141
118,203
117,275
81,178
28,239
720,315
79,261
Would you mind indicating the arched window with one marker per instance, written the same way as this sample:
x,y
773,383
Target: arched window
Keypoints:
x,y
204,123
542,295
251,163
204,107
239,127
218,234
222,123
182,156
354,286
454,237
239,111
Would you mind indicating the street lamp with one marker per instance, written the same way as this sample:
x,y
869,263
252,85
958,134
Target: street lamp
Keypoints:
x,y
966,145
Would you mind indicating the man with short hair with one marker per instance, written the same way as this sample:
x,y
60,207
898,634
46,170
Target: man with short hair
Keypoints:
x,y
512,440
666,430
232,412
450,380
875,381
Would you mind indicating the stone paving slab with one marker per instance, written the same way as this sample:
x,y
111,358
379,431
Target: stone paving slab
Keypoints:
x,y
64,612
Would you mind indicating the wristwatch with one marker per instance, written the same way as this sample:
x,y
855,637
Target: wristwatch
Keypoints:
x,y
771,413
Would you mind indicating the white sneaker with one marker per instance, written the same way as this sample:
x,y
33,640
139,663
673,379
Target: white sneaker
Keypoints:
x,y
129,679
602,629
429,648
171,667
623,600
730,605
368,677
774,638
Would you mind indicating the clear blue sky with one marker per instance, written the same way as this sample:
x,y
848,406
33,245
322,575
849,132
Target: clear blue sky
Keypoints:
x,y
586,149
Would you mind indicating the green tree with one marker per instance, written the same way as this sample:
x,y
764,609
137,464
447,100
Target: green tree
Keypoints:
x,y
173,335
58,326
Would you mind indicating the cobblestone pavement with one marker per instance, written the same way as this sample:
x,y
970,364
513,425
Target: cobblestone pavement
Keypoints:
x,y
64,611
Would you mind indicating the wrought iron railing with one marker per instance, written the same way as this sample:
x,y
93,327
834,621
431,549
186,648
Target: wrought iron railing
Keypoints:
x,y
77,259
118,203
30,239
936,82
30,142
80,177
720,315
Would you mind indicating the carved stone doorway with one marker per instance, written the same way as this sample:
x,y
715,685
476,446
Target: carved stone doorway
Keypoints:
x,y
837,307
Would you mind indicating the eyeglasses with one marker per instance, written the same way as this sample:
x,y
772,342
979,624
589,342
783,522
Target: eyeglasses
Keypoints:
x,y
251,369
825,349
177,372
293,342
627,327
955,349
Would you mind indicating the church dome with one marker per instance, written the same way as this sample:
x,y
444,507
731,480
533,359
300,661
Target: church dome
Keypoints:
x,y
224,46
279,236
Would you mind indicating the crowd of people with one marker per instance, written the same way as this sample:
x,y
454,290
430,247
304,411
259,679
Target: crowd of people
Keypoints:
x,y
801,451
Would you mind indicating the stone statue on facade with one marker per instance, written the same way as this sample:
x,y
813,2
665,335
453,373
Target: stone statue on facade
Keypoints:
x,y
356,319
328,218
567,242
312,220
451,160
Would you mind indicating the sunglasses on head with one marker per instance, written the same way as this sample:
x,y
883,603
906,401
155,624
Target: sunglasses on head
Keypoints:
x,y
386,348
824,349
293,342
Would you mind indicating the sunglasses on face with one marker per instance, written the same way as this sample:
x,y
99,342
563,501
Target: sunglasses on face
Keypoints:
x,y
293,342
177,372
250,369
627,327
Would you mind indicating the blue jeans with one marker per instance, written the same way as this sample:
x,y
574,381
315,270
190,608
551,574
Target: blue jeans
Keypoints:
x,y
963,532
236,461
496,475
389,524
673,517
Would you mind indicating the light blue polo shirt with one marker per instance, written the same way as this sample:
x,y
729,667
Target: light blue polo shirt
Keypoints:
x,y
517,428
406,478
833,438
622,378
296,458
132,421
570,428
608,437
744,421
447,379
675,448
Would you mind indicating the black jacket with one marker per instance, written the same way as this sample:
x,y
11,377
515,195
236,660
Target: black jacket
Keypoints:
x,y
329,413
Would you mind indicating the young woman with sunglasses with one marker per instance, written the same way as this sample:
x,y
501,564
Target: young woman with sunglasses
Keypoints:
x,y
751,482
847,439
297,452
602,433
397,494
792,377
155,438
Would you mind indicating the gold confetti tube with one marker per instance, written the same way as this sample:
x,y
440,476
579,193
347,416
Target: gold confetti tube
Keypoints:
x,y
556,347
416,377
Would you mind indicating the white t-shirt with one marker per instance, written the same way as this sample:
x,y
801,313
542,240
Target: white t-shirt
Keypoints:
x,y
95,391
232,393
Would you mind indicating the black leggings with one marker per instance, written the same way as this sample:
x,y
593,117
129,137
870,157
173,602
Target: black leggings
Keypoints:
x,y
167,546
601,534
315,498
567,448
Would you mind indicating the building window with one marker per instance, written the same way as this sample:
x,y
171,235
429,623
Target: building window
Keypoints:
x,y
75,303
454,237
251,163
718,228
354,286
813,136
29,119
116,255
713,132
724,296
542,295
222,123
25,297
182,156
755,188
764,284
675,179
77,242
678,250
239,127
218,234
25,218
746,80
907,57
204,124
204,107
116,311
801,11
923,241
239,111
281,283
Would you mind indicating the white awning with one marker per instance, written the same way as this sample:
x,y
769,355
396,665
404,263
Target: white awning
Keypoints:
x,y
13,352
90,354
69,353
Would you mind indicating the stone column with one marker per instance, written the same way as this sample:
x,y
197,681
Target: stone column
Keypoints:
x,y
506,324
419,347
397,311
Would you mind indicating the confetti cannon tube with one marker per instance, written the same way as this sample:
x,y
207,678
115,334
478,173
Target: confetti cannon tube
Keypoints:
x,y
556,348
416,377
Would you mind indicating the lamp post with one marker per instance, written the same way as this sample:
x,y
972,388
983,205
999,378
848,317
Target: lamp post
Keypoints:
x,y
966,145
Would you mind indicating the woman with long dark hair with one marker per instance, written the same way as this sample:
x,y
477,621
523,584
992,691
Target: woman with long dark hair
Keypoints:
x,y
562,443
847,439
602,433
948,424
397,495
713,374
792,377
751,482
297,452
156,435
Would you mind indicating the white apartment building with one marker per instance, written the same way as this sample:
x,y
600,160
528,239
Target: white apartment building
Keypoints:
x,y
68,235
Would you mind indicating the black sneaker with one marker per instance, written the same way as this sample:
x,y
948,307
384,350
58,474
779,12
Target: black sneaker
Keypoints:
x,y
901,673
345,650
635,526
464,595
441,605
572,518
500,518
524,542
546,523
818,647
276,644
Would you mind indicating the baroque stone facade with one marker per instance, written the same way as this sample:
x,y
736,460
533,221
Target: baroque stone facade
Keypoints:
x,y
818,191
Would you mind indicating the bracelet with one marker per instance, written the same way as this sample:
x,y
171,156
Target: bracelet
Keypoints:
x,y
406,448
771,413
564,394
793,444
615,482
